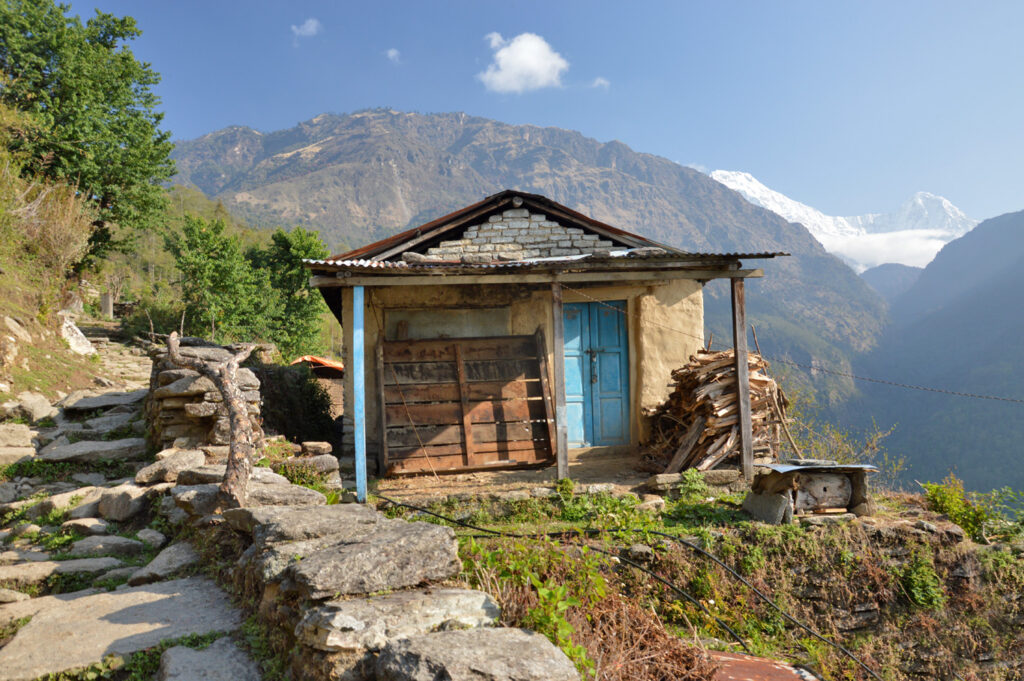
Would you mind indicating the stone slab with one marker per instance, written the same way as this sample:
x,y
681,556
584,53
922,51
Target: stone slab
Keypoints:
x,y
167,468
105,401
15,435
774,509
33,573
27,608
396,554
172,559
119,623
367,624
106,546
9,455
258,494
222,660
288,523
94,450
491,654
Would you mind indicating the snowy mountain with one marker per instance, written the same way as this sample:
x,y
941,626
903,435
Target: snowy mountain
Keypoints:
x,y
910,235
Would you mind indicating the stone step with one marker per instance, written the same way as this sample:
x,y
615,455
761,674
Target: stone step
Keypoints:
x,y
82,631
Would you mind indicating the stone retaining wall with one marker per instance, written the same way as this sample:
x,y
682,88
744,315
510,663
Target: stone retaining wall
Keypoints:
x,y
186,410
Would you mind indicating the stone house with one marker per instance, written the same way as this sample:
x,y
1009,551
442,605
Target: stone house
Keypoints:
x,y
513,332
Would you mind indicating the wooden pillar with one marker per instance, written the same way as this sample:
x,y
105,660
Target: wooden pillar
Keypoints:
x,y
739,344
359,391
561,427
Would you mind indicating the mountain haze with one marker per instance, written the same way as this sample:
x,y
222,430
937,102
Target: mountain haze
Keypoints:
x,y
361,177
959,327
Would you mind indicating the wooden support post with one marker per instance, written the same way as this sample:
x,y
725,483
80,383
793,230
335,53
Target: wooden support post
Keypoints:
x,y
359,391
739,344
562,428
545,387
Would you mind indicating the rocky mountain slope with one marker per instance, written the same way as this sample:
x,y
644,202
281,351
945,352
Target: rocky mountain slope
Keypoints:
x,y
910,235
364,176
958,328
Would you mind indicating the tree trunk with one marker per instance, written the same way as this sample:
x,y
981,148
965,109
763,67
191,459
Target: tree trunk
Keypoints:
x,y
243,439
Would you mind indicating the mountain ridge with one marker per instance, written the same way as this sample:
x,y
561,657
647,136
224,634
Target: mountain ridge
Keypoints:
x,y
361,177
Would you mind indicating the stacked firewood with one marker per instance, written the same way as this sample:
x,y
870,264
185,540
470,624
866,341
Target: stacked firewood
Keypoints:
x,y
699,425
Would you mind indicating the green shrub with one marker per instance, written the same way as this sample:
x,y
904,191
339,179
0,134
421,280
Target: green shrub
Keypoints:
x,y
950,498
920,583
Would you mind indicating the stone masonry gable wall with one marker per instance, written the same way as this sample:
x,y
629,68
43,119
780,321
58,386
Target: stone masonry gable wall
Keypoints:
x,y
517,234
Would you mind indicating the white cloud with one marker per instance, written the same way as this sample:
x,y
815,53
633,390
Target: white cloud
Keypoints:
x,y
523,63
309,28
394,55
914,247
602,83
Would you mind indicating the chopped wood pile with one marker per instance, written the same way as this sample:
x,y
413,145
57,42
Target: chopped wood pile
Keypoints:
x,y
698,426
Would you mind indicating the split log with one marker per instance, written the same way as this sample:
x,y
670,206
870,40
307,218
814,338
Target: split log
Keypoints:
x,y
697,426
243,445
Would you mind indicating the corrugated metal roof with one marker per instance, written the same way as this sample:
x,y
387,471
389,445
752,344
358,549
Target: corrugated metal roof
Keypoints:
x,y
441,265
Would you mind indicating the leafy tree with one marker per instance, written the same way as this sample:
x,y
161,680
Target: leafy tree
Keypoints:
x,y
298,324
225,297
98,126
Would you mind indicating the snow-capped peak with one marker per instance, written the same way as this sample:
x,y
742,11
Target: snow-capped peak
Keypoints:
x,y
910,235
814,220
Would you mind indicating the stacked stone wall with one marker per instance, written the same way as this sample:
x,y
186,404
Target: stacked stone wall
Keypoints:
x,y
186,410
518,234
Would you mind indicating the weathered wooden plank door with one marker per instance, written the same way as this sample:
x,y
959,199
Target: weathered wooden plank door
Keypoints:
x,y
597,373
458,404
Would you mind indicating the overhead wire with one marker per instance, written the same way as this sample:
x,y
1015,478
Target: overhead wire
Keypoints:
x,y
833,372
690,545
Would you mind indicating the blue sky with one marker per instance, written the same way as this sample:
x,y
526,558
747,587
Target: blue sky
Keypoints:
x,y
848,107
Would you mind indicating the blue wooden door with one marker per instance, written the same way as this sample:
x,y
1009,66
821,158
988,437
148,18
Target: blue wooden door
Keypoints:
x,y
596,373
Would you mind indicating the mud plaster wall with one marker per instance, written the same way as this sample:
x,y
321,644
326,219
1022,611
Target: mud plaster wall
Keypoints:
x,y
654,349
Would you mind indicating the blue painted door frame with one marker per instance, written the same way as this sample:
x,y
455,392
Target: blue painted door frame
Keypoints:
x,y
596,373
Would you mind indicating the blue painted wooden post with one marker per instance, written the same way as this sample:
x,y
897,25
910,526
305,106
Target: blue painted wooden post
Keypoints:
x,y
359,390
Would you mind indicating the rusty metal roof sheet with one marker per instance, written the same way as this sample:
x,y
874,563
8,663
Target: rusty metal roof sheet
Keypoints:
x,y
445,266
739,667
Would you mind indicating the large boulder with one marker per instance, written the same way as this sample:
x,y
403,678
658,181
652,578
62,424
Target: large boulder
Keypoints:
x,y
474,655
95,450
222,660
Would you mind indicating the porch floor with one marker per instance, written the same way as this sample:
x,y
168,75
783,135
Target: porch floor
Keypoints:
x,y
619,470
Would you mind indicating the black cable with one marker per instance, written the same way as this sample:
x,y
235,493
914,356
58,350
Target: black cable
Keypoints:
x,y
511,535
683,542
